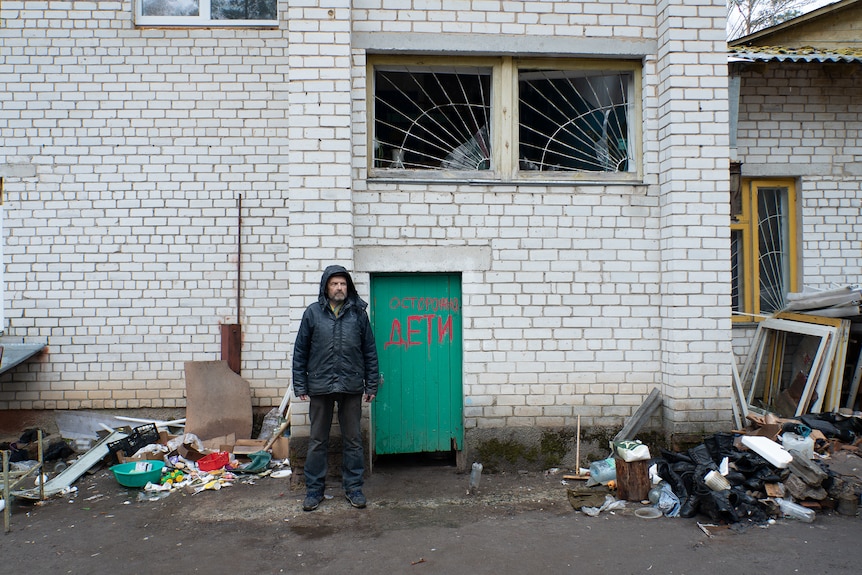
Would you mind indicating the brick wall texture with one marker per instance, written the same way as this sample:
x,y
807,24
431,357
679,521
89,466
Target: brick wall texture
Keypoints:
x,y
126,150
805,121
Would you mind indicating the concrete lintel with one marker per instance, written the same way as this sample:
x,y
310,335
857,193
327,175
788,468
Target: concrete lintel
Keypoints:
x,y
422,258
467,44
789,170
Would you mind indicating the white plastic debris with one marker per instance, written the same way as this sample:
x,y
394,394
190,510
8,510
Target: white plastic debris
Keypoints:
x,y
610,504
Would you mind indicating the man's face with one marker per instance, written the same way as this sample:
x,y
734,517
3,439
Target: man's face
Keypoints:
x,y
336,289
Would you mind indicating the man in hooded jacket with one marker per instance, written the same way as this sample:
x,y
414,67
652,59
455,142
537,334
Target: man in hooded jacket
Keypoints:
x,y
335,361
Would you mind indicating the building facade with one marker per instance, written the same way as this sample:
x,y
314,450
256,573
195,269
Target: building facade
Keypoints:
x,y
565,165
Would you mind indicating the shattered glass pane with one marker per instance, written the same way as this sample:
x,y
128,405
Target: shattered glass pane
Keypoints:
x,y
574,120
432,118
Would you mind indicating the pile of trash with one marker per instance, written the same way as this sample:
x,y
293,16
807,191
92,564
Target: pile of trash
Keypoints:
x,y
186,466
144,457
778,468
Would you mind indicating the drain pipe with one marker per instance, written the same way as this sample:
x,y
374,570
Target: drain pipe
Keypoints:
x,y
231,333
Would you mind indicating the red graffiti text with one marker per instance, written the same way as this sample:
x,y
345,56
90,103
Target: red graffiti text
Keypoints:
x,y
419,330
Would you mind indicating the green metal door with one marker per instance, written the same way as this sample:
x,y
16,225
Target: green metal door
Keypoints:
x,y
417,325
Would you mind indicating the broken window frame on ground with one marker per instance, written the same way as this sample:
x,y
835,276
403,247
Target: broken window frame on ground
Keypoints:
x,y
768,359
471,134
764,246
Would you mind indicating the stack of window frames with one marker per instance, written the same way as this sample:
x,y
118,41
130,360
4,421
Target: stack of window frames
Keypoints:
x,y
796,365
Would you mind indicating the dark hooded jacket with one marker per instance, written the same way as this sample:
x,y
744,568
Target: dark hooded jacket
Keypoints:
x,y
335,354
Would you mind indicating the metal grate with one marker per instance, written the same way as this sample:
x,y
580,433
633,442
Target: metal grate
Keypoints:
x,y
574,120
774,256
432,118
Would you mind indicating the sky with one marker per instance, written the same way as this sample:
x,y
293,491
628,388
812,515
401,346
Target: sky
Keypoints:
x,y
805,9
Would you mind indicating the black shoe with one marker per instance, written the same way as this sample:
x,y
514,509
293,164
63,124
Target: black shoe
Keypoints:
x,y
356,498
312,501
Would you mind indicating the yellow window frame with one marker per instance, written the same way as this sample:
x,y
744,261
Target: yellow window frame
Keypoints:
x,y
746,222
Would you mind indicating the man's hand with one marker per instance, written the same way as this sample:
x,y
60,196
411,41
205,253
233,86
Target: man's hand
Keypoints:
x,y
303,397
368,397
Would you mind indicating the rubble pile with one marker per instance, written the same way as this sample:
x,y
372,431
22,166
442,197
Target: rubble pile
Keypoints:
x,y
154,462
757,482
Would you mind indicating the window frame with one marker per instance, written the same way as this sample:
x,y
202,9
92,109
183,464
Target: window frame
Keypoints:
x,y
746,223
504,115
200,20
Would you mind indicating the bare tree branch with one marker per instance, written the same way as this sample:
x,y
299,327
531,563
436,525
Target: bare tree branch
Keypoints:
x,y
745,17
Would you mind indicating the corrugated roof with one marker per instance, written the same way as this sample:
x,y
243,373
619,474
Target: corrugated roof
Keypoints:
x,y
783,54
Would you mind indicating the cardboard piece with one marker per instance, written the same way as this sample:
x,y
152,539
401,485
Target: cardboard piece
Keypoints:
x,y
281,448
145,456
241,448
164,437
218,401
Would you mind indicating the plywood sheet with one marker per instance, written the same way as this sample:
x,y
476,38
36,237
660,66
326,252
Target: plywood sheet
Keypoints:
x,y
218,401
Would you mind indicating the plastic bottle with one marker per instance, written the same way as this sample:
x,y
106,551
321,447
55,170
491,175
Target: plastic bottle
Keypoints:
x,y
603,471
475,476
655,493
804,445
270,424
796,511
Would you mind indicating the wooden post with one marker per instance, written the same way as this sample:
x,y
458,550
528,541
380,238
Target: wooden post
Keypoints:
x,y
633,482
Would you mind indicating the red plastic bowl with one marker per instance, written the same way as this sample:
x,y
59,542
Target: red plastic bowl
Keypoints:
x,y
213,461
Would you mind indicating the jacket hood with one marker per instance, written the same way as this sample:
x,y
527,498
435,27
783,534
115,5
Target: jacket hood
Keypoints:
x,y
337,270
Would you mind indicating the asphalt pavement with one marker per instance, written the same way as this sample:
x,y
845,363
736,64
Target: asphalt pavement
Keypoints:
x,y
420,519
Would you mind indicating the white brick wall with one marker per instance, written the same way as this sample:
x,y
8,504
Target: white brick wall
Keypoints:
x,y
791,132
570,323
693,166
121,250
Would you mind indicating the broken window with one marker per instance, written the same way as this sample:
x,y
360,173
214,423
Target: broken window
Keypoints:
x,y
432,118
574,120
763,247
503,118
206,12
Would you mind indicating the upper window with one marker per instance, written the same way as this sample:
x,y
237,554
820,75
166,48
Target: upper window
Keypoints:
x,y
504,119
763,246
432,118
574,120
206,12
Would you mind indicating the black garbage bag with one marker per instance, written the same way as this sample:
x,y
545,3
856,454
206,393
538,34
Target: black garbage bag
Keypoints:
x,y
720,445
826,424
58,450
30,435
717,506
